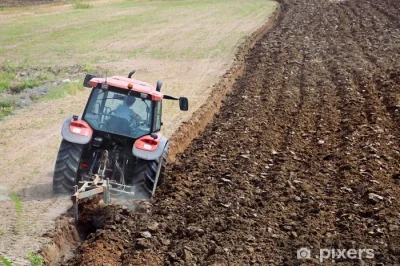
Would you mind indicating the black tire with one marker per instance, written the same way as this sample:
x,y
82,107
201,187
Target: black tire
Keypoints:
x,y
144,175
67,166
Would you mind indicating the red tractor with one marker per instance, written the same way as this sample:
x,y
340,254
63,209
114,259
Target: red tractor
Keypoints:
x,y
117,139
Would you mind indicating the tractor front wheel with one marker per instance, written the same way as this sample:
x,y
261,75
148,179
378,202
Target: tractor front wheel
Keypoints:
x,y
67,165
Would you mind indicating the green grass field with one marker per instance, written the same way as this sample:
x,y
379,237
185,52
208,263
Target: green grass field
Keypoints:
x,y
43,42
116,31
178,29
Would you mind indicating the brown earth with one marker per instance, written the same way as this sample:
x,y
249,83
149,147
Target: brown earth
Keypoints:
x,y
304,153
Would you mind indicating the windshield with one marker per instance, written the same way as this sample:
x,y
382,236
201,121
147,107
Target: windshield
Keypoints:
x,y
119,113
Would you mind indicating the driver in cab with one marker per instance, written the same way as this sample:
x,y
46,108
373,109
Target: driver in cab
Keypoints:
x,y
124,110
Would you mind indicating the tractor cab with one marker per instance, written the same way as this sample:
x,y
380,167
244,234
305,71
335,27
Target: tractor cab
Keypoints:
x,y
124,106
114,111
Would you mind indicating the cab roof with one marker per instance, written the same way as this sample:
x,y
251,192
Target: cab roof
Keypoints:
x,y
123,82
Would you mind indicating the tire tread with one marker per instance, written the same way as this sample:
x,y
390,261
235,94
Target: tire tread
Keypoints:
x,y
66,167
145,172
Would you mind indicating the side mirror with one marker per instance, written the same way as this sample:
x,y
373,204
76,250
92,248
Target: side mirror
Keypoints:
x,y
159,85
131,73
183,103
87,79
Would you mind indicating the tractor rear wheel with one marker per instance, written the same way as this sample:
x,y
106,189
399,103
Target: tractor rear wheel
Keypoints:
x,y
67,165
145,174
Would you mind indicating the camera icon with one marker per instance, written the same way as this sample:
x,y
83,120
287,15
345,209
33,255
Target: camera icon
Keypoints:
x,y
303,253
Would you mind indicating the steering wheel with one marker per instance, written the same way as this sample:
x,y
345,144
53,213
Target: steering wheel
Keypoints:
x,y
135,121
106,116
134,124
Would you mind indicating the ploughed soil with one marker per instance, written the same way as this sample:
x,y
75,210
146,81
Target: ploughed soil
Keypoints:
x,y
304,153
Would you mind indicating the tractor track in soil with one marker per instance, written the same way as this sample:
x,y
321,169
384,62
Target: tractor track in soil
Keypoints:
x,y
295,158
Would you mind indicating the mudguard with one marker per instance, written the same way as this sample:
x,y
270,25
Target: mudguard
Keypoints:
x,y
147,148
81,133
